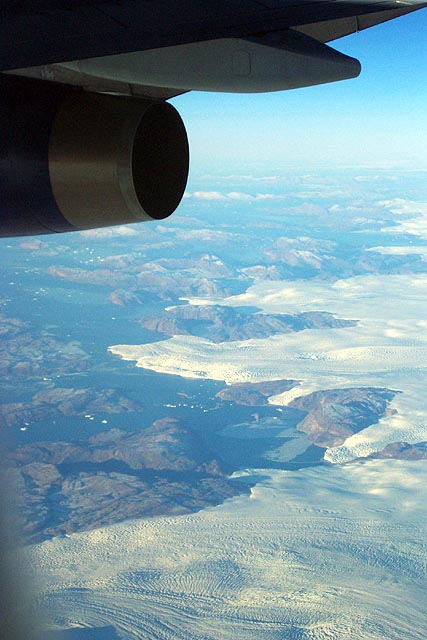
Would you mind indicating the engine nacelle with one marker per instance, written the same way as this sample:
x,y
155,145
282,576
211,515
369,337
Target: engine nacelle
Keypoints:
x,y
77,160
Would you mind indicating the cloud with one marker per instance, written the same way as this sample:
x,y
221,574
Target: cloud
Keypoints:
x,y
243,197
233,196
415,226
33,245
401,206
109,232
207,195
242,177
418,250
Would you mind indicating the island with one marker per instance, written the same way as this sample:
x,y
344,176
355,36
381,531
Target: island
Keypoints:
x,y
255,393
60,401
224,324
333,415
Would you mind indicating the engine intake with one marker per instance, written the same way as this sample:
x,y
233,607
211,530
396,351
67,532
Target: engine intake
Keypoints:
x,y
76,160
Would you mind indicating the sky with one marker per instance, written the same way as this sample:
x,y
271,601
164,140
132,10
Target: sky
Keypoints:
x,y
378,119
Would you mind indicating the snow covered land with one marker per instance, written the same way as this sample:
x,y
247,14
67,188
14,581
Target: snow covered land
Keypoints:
x,y
315,554
386,348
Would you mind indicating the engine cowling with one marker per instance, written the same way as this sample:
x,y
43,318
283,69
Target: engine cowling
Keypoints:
x,y
77,160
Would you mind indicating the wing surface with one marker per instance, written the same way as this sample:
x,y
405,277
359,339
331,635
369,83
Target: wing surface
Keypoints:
x,y
40,32
334,29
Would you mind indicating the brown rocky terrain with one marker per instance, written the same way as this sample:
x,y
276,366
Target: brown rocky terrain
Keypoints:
x,y
30,353
402,451
334,415
206,265
51,403
115,475
222,324
255,393
310,257
100,277
121,297
202,277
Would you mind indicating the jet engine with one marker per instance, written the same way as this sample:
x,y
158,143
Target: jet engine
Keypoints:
x,y
71,159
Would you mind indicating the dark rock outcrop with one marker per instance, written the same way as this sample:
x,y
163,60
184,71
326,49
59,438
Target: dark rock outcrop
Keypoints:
x,y
115,475
223,324
402,451
334,415
59,401
255,393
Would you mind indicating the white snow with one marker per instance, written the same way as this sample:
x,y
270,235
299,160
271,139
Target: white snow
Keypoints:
x,y
320,553
387,348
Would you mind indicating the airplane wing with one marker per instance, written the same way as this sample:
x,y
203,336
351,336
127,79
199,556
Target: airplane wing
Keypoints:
x,y
39,32
328,30
87,137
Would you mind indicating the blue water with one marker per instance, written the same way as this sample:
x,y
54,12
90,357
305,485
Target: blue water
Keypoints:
x,y
83,313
